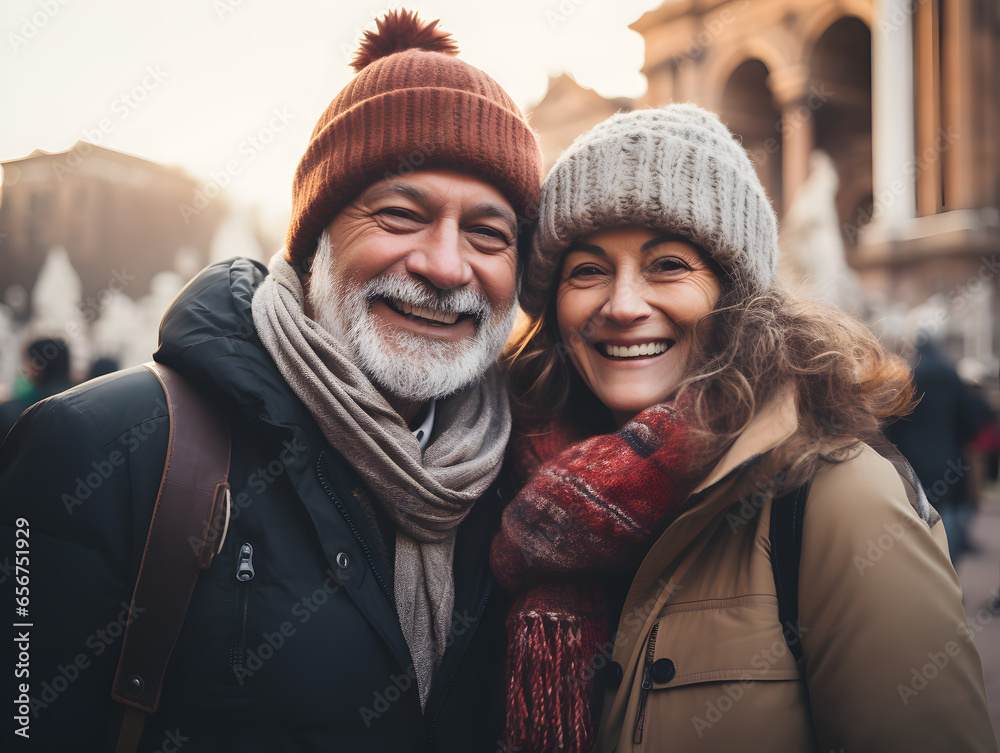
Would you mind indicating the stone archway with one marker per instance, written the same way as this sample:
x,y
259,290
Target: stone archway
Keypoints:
x,y
748,109
840,74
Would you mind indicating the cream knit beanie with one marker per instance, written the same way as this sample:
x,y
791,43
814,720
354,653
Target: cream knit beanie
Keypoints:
x,y
676,169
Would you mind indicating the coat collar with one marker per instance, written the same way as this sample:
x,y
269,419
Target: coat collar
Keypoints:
x,y
775,422
208,335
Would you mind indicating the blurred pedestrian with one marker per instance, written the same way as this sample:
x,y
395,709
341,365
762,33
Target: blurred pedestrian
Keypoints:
x,y
102,366
933,439
44,372
985,442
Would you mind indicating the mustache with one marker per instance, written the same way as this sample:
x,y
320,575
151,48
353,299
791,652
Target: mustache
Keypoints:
x,y
405,289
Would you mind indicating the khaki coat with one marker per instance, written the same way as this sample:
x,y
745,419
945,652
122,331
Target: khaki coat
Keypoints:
x,y
889,663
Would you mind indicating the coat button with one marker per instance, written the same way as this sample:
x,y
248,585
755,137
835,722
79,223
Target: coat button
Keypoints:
x,y
613,675
343,560
663,671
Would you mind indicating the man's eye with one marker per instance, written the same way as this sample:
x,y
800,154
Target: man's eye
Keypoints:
x,y
490,232
399,213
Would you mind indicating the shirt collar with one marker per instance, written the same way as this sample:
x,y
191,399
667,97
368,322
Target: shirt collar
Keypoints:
x,y
423,432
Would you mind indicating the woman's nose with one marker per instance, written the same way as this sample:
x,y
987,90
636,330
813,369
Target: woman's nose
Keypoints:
x,y
626,303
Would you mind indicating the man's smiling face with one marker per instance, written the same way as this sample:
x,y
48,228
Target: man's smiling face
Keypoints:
x,y
417,278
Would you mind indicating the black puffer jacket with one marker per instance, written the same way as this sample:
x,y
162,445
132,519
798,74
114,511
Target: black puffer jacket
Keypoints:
x,y
324,662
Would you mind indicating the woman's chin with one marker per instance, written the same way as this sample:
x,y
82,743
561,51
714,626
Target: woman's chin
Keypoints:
x,y
626,407
625,411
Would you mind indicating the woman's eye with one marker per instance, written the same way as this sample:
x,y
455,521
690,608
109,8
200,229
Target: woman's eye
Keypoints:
x,y
586,270
669,264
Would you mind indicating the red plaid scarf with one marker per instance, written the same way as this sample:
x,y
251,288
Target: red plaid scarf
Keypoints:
x,y
588,506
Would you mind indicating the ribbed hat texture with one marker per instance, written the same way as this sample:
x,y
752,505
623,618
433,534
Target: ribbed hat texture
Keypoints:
x,y
676,169
412,106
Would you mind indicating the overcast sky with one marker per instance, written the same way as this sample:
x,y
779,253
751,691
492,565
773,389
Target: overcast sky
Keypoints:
x,y
200,83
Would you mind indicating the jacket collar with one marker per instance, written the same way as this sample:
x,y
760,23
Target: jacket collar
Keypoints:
x,y
775,422
208,336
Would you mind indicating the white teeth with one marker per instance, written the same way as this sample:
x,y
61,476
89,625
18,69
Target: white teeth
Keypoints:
x,y
633,351
444,317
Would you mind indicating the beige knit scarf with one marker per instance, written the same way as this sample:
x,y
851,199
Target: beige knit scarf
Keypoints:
x,y
427,494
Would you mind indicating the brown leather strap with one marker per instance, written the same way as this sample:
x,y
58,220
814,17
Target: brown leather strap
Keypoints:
x,y
131,730
187,529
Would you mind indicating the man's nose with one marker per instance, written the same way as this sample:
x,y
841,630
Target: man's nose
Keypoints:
x,y
440,257
626,303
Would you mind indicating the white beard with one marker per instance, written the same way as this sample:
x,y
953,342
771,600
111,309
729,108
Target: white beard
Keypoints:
x,y
410,366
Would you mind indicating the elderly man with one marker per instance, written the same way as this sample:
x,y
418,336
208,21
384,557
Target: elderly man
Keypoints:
x,y
350,606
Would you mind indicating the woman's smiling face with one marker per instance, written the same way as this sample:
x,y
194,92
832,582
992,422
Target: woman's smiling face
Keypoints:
x,y
627,304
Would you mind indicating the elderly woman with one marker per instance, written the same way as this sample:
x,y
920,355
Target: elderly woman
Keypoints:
x,y
679,408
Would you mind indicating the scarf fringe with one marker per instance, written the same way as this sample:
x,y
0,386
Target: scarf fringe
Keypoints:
x,y
548,708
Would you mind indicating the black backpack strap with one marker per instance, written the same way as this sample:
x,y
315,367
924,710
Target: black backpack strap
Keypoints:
x,y
787,513
187,529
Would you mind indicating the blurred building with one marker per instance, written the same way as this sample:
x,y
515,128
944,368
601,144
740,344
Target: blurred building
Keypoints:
x,y
569,110
120,218
903,95
95,244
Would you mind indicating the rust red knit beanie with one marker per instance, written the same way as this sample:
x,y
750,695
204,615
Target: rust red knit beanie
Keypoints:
x,y
413,105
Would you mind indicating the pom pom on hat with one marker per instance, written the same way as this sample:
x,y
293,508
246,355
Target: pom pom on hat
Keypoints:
x,y
402,30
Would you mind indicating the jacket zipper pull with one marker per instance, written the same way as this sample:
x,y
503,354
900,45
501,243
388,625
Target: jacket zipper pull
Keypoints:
x,y
645,687
244,569
244,574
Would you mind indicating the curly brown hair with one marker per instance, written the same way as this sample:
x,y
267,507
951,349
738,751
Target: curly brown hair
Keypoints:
x,y
754,344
